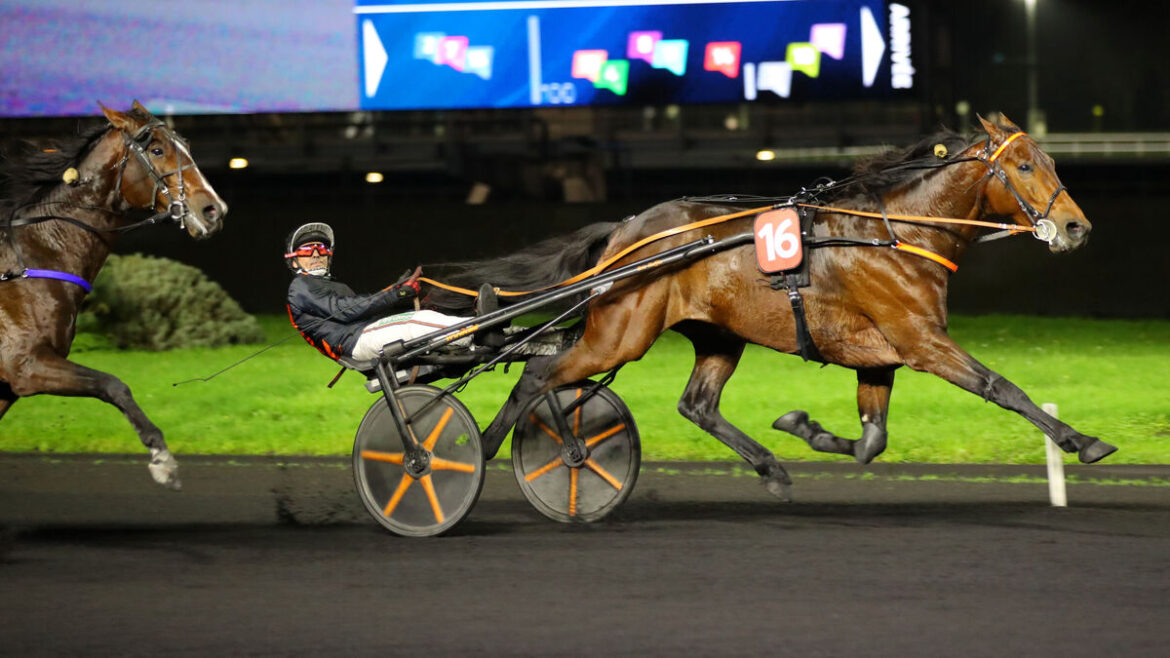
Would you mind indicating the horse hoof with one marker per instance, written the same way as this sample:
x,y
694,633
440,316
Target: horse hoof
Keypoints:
x,y
871,444
791,421
1095,451
776,481
164,469
781,490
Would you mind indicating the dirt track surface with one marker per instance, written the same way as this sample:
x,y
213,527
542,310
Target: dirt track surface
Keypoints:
x,y
258,557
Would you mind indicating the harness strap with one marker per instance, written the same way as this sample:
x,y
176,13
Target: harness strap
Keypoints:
x,y
47,274
928,255
804,340
1014,228
1004,145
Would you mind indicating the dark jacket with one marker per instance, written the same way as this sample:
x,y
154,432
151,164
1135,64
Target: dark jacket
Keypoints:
x,y
331,316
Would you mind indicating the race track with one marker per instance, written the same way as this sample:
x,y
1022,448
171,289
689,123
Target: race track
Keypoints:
x,y
258,557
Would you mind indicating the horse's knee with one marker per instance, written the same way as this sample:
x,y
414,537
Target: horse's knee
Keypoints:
x,y
698,412
115,391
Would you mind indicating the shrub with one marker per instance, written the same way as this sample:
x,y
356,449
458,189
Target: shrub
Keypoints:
x,y
151,303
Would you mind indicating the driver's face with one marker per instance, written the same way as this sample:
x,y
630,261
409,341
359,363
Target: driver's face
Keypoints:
x,y
315,261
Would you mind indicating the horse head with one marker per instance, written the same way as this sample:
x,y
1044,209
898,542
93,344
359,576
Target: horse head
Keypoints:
x,y
1031,192
158,173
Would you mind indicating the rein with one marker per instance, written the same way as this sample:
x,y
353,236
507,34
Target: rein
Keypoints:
x,y
600,267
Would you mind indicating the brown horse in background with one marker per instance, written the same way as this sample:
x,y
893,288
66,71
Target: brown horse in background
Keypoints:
x,y
63,208
870,309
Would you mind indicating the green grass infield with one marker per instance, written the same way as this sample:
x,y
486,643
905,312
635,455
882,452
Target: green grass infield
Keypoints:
x,y
1108,378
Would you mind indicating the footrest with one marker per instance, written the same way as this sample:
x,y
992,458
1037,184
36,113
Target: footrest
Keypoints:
x,y
360,366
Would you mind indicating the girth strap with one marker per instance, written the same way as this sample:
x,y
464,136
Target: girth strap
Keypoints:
x,y
804,339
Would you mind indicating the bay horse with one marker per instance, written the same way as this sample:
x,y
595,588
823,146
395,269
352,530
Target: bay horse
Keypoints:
x,y
868,308
59,218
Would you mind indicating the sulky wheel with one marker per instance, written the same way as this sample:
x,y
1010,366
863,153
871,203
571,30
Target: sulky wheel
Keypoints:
x,y
443,491
606,476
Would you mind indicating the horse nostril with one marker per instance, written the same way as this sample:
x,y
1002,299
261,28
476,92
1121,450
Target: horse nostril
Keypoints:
x,y
210,212
1075,230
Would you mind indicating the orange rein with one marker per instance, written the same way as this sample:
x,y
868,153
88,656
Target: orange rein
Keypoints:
x,y
711,221
600,267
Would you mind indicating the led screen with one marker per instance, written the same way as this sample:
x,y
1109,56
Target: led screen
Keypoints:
x,y
58,57
584,52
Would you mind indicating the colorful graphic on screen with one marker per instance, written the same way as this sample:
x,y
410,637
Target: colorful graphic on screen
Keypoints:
x,y
615,51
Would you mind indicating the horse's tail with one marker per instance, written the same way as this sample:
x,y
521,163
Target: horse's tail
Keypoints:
x,y
536,267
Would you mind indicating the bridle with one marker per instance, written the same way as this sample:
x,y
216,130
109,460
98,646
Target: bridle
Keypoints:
x,y
1045,229
177,209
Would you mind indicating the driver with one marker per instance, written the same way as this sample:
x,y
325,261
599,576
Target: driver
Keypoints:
x,y
338,322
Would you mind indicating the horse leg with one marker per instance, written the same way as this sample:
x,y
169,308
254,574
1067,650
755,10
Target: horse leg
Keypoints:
x,y
529,385
716,356
938,354
873,404
596,351
48,373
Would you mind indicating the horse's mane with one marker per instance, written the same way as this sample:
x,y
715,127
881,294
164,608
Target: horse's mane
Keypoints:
x,y
29,169
898,166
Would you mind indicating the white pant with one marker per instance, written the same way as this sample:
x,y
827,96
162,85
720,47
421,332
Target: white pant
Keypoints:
x,y
404,326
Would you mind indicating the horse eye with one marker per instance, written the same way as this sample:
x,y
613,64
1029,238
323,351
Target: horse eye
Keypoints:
x,y
1025,167
156,151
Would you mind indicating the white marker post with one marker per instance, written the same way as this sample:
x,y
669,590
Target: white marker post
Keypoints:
x,y
1056,492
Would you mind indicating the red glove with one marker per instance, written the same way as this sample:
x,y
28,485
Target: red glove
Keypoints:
x,y
412,282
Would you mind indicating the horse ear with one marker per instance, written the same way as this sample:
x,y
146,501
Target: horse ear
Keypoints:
x,y
994,131
138,106
1008,123
119,120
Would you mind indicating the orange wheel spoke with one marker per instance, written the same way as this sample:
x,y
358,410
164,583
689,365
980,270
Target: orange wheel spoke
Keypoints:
x,y
389,457
397,497
592,441
429,487
596,468
433,437
573,475
547,430
543,469
440,464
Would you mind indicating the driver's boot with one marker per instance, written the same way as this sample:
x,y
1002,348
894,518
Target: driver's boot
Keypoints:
x,y
486,302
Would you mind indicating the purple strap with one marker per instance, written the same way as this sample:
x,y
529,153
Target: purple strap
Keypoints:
x,y
60,276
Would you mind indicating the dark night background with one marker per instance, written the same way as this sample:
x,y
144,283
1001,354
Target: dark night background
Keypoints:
x,y
1111,56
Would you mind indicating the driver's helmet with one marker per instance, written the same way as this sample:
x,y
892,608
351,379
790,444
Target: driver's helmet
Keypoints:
x,y
306,233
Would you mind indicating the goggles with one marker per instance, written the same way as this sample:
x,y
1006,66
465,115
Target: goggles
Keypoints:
x,y
311,249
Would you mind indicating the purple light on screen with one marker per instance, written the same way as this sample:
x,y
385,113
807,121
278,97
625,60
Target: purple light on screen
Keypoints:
x,y
641,45
829,38
58,57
